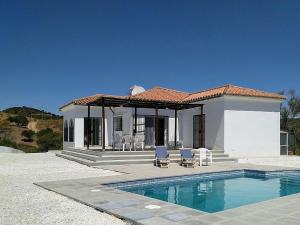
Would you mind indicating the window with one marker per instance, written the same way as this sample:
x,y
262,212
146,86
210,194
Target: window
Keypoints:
x,y
66,132
71,131
118,123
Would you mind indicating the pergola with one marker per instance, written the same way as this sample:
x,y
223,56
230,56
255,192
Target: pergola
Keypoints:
x,y
111,101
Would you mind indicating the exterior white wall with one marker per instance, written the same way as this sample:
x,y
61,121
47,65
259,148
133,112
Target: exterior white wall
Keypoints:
x,y
241,126
214,123
78,134
251,127
68,115
78,113
186,126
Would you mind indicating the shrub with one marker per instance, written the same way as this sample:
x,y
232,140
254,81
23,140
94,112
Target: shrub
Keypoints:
x,y
49,140
28,148
28,134
8,143
21,121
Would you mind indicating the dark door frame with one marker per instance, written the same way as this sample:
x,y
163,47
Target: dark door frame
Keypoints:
x,y
161,132
201,131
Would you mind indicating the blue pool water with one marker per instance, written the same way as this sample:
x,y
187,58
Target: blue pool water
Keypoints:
x,y
218,191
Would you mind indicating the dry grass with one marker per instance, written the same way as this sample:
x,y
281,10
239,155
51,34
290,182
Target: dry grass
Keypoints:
x,y
14,133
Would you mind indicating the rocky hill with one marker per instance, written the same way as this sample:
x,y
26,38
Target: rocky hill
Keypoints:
x,y
12,133
30,112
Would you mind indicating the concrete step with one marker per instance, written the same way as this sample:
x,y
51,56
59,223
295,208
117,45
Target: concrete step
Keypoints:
x,y
127,161
94,158
145,152
82,155
120,157
224,159
90,152
123,162
75,159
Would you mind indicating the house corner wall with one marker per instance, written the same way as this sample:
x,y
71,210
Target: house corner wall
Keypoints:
x,y
251,127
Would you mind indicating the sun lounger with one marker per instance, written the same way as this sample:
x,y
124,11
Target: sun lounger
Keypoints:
x,y
187,158
162,158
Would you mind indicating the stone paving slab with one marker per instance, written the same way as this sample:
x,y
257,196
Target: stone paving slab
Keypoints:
x,y
134,208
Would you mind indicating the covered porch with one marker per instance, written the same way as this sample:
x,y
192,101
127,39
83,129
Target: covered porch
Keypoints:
x,y
148,124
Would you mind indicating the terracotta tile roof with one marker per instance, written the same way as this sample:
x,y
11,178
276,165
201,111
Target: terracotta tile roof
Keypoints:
x,y
161,94
169,95
91,99
87,100
230,90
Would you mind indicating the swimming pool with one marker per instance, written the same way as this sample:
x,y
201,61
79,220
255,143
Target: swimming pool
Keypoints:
x,y
214,192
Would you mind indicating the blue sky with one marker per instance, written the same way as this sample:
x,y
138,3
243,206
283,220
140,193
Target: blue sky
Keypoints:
x,y
54,51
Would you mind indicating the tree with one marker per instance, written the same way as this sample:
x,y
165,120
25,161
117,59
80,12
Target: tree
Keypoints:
x,y
49,140
293,103
28,134
21,121
288,112
284,114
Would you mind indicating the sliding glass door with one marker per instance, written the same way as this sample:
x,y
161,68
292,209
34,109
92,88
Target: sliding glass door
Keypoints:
x,y
149,131
162,131
95,131
198,131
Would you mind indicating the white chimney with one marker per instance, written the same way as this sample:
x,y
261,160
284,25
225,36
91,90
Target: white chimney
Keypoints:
x,y
134,90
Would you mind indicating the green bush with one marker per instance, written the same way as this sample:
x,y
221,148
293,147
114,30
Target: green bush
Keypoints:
x,y
28,134
21,121
28,148
8,143
49,140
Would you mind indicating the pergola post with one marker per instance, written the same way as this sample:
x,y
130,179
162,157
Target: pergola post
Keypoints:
x,y
156,126
135,121
103,125
202,127
88,127
175,131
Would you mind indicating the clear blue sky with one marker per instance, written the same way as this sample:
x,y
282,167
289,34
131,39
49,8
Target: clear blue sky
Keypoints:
x,y
53,51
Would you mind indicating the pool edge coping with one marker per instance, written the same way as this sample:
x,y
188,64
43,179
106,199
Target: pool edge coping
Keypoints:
x,y
104,188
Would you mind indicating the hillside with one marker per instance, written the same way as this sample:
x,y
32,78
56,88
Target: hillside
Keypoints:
x,y
37,120
30,112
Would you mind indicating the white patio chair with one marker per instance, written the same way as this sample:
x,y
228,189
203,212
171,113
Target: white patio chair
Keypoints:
x,y
179,144
118,142
127,141
138,142
205,154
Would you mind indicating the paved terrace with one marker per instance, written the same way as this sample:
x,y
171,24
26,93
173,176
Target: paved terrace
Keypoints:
x,y
133,208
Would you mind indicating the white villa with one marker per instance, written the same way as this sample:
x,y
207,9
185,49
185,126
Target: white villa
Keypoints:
x,y
240,121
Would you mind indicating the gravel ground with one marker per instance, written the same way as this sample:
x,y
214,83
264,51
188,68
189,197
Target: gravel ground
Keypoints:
x,y
22,202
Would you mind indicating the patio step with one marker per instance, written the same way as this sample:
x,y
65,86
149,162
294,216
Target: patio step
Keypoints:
x,y
82,155
96,158
150,161
150,156
75,159
90,152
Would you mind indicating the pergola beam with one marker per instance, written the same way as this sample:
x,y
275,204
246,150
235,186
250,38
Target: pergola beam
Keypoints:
x,y
156,126
202,127
117,102
103,126
88,127
135,120
175,131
